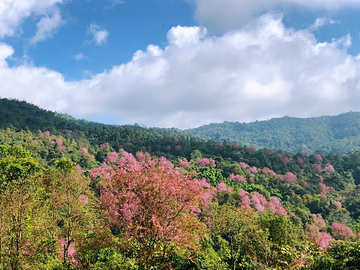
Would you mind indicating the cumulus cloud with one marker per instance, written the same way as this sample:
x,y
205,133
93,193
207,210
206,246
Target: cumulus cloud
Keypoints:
x,y
261,71
100,35
80,56
232,14
47,26
13,12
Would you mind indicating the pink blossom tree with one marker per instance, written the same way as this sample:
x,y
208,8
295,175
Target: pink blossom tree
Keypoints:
x,y
300,160
285,160
318,158
238,178
184,163
61,148
318,168
268,172
203,162
253,170
156,208
290,178
244,165
342,231
329,168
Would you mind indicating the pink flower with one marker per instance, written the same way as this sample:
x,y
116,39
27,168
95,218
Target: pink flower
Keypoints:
x,y
177,148
168,148
268,172
324,189
244,165
78,168
324,240
222,187
203,162
253,170
285,160
300,160
259,201
59,141
318,158
176,139
305,154
112,158
184,163
234,144
84,151
140,156
36,142
166,163
238,178
252,150
317,168
342,231
290,178
242,193
61,148
329,168
47,133
245,202
63,242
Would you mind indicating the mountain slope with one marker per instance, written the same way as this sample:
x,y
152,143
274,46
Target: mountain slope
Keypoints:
x,y
339,133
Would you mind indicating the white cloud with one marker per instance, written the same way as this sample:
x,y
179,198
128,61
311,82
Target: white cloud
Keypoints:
x,y
258,72
47,26
100,36
232,14
320,22
5,52
80,56
13,12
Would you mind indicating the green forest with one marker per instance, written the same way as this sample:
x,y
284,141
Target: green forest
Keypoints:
x,y
336,134
82,195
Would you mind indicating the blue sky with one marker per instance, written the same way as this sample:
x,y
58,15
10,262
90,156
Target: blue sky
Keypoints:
x,y
182,63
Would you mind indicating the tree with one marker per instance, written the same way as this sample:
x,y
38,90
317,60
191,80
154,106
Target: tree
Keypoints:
x,y
240,230
18,190
154,207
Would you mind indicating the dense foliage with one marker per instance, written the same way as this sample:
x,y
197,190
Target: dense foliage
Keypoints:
x,y
99,197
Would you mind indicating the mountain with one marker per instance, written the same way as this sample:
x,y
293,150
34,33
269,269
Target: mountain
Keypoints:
x,y
337,134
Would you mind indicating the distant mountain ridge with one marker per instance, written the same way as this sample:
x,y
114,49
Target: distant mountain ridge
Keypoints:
x,y
337,134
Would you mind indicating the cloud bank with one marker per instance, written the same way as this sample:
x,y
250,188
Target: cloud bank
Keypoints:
x,y
261,71
224,15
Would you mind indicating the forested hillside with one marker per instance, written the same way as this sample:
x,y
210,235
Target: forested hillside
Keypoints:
x,y
337,134
89,196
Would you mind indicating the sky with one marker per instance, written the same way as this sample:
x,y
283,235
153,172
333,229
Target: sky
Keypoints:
x,y
182,63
